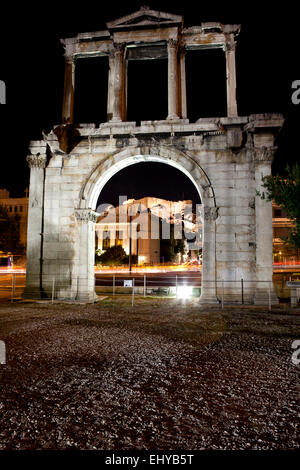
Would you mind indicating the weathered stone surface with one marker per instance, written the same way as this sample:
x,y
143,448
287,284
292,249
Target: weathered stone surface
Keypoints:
x,y
228,193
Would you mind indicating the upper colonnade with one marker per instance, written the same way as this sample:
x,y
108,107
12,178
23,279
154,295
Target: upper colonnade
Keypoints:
x,y
148,34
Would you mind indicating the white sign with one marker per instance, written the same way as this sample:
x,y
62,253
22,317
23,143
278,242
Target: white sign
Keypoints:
x,y
2,353
128,283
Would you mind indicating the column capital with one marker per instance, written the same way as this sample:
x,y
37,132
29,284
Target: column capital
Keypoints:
x,y
86,215
70,59
172,43
264,154
230,46
36,161
211,213
111,54
118,47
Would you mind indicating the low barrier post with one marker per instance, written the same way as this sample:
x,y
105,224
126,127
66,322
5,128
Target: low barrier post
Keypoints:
x,y
13,287
53,288
132,291
222,293
242,287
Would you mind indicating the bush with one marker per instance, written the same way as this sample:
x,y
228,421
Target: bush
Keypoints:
x,y
134,259
115,256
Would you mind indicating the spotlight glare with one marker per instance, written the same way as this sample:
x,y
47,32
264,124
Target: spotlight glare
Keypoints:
x,y
184,292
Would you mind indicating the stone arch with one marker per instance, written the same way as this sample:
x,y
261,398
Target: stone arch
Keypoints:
x,y
101,174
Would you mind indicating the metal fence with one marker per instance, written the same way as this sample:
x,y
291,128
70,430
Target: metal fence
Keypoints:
x,y
240,292
11,285
227,292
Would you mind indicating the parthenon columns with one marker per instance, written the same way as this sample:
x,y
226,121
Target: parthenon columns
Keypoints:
x,y
68,96
172,79
231,78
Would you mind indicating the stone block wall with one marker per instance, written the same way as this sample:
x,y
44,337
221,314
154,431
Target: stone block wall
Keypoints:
x,y
225,158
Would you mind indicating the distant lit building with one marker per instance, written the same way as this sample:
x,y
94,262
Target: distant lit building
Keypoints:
x,y
151,222
16,206
282,252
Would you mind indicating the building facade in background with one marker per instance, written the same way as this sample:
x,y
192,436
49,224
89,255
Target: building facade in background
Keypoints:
x,y
283,254
150,225
17,206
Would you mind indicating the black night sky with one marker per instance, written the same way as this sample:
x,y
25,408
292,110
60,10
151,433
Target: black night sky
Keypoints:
x,y
32,67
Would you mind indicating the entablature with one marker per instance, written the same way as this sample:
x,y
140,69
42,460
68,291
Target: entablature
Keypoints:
x,y
146,28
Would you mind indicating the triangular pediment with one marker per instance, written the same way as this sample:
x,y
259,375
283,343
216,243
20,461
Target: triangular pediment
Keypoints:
x,y
143,18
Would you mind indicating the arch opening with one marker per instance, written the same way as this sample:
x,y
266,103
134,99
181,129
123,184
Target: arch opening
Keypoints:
x,y
159,226
107,168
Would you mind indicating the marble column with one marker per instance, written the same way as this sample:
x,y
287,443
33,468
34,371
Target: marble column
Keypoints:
x,y
208,293
110,94
231,78
183,83
68,95
172,79
37,164
86,220
264,231
118,98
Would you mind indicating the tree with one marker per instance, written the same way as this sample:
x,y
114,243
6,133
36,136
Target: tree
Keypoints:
x,y
115,255
285,192
9,231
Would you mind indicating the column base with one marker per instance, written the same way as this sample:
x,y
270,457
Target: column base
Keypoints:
x,y
172,117
86,297
115,120
208,298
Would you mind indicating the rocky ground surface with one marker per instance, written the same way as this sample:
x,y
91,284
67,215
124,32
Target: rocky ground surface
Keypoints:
x,y
159,375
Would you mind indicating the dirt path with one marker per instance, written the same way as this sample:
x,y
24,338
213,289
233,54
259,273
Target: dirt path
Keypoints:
x,y
160,375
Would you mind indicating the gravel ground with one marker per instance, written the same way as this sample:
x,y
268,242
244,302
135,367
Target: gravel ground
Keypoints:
x,y
159,376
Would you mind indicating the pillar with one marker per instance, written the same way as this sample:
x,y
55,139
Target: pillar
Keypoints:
x,y
68,96
208,293
183,83
264,230
118,98
110,94
37,164
172,79
231,78
86,219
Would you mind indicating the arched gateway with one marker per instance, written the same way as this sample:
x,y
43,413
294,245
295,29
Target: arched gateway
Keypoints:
x,y
225,158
